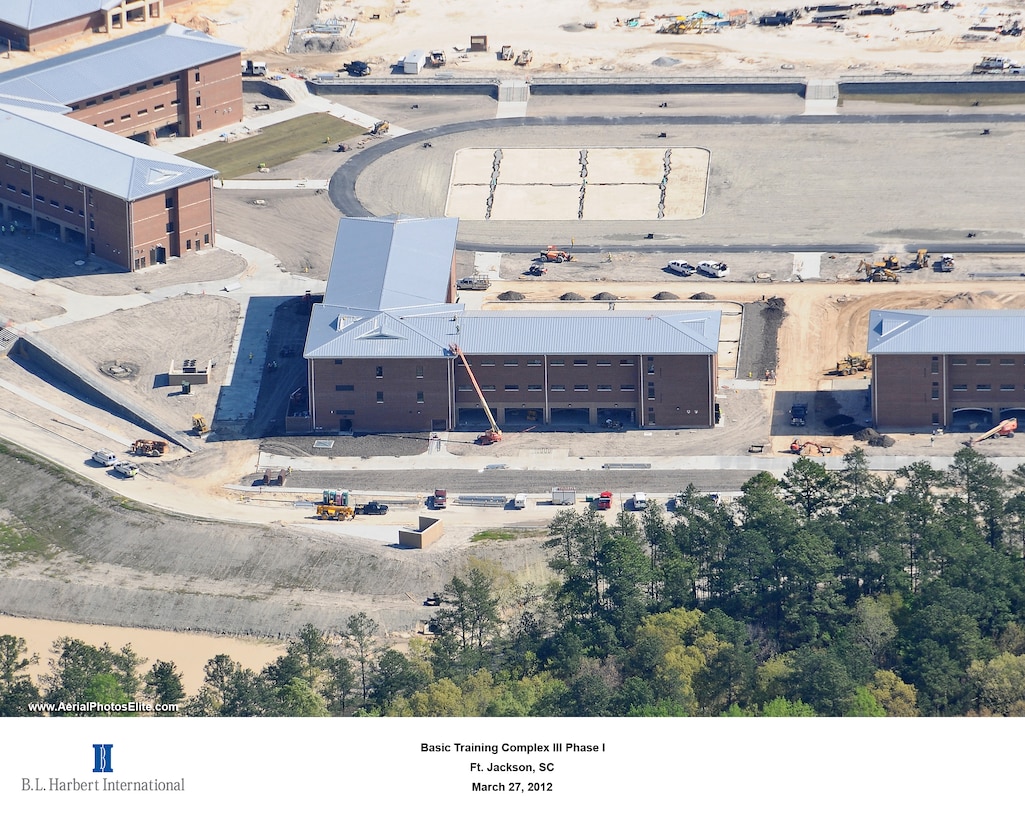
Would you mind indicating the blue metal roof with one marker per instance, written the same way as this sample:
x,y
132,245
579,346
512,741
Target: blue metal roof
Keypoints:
x,y
34,14
386,263
429,333
85,154
939,332
100,69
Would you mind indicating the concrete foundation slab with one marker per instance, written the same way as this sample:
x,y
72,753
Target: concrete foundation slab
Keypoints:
x,y
536,202
472,166
540,166
608,202
467,201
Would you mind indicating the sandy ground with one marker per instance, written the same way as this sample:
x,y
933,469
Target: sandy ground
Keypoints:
x,y
189,651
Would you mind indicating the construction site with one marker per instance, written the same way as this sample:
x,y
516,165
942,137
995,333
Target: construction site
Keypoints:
x,y
188,370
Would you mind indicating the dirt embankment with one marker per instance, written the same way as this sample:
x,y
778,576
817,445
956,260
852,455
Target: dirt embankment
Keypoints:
x,y
135,566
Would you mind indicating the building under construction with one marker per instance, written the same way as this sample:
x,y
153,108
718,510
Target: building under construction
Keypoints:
x,y
382,349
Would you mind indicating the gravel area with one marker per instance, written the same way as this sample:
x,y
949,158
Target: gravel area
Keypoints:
x,y
408,444
758,344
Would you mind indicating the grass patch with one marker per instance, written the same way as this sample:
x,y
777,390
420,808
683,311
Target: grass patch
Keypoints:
x,y
274,145
496,535
948,100
22,542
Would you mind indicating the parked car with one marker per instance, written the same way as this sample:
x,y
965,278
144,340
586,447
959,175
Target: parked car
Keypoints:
x,y
105,458
357,68
681,266
640,501
712,268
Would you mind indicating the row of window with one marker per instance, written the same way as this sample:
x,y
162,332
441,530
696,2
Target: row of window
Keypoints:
x,y
963,361
124,92
141,113
42,199
553,388
981,388
553,363
380,400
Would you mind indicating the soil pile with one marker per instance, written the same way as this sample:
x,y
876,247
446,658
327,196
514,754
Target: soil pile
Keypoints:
x,y
511,296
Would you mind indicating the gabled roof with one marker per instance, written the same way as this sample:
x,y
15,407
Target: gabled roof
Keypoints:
x,y
35,14
387,263
430,331
91,72
939,332
86,154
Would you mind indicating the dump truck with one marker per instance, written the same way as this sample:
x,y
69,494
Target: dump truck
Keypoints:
x,y
199,425
553,254
370,508
332,512
153,448
525,57
798,415
439,500
563,497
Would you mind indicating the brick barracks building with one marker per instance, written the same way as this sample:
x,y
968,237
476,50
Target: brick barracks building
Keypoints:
x,y
380,357
68,168
31,24
947,368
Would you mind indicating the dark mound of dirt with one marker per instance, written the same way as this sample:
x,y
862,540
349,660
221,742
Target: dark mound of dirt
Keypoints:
x,y
848,430
775,303
511,296
605,296
572,297
882,441
866,434
703,296
664,295
838,420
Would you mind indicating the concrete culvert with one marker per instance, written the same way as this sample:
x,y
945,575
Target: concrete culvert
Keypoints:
x,y
511,296
572,297
664,295
605,296
707,297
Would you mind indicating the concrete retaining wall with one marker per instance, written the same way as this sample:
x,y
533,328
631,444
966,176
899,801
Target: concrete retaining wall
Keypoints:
x,y
429,531
43,356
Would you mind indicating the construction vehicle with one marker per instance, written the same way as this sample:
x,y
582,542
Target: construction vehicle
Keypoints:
x,y
852,363
525,57
922,260
1005,429
493,435
370,508
199,425
946,263
553,254
436,59
710,267
537,269
357,68
799,415
126,469
439,500
154,448
473,283
878,271
433,600
332,512
809,448
604,501
251,68
506,53
380,128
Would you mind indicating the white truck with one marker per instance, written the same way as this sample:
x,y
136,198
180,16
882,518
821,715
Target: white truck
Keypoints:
x,y
563,497
640,501
520,501
105,458
126,469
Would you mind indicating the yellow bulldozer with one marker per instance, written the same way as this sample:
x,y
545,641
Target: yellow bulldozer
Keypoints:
x,y
199,425
380,128
852,363
879,271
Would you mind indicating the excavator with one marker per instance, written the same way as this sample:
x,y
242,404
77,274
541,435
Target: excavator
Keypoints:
x,y
922,260
809,448
494,435
879,271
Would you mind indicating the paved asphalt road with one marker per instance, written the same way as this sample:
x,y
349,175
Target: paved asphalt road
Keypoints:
x,y
510,482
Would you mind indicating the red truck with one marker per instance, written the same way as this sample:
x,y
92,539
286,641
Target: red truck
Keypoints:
x,y
605,501
439,500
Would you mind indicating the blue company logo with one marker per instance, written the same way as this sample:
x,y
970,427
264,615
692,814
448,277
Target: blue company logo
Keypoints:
x,y
101,758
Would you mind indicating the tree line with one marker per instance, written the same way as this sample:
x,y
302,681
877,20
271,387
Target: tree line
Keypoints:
x,y
839,593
